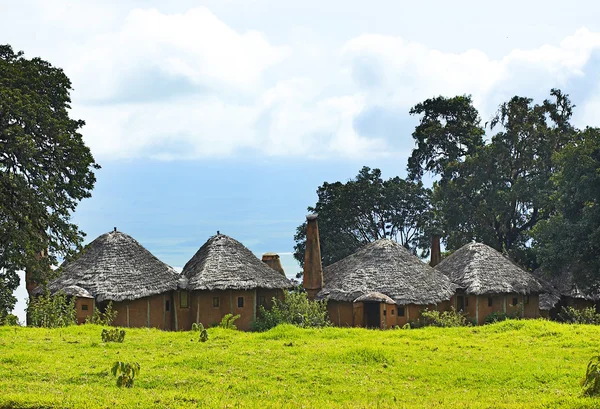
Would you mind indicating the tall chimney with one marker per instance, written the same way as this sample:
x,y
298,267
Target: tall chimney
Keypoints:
x,y
436,253
313,270
272,260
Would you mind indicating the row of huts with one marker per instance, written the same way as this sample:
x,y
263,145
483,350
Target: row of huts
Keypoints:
x,y
380,286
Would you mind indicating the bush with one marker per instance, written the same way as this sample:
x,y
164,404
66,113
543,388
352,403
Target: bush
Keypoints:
x,y
52,311
496,316
113,335
444,319
10,320
295,309
105,318
591,382
578,316
228,321
126,373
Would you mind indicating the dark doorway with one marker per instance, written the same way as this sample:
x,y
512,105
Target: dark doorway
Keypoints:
x,y
372,318
460,303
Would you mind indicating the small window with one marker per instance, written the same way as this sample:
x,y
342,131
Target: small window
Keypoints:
x,y
262,300
490,301
515,301
184,301
401,311
392,312
384,312
84,307
240,302
167,305
526,299
466,301
216,302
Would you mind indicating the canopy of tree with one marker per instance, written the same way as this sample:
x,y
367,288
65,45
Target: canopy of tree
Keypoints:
x,y
45,170
366,209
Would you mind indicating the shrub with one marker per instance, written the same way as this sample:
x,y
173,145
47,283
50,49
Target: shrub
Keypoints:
x,y
444,319
10,319
113,335
578,316
125,373
105,318
228,321
52,311
496,316
591,382
295,309
198,327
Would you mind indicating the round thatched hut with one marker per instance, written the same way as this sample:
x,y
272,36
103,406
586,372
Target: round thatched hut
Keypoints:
x,y
567,292
115,267
382,285
489,282
224,277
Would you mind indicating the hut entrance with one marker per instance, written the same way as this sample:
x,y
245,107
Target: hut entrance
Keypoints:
x,y
460,303
372,317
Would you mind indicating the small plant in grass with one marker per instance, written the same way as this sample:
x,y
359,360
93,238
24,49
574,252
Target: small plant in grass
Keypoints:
x,y
578,316
591,382
444,319
113,335
198,327
105,318
496,316
228,321
10,320
125,373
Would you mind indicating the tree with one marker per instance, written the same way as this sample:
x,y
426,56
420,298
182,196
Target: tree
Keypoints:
x,y
366,209
570,237
493,192
45,170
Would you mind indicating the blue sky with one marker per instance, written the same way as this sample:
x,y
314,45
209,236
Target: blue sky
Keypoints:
x,y
227,115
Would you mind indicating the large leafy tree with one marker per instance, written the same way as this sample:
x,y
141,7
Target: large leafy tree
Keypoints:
x,y
365,209
45,170
493,192
570,237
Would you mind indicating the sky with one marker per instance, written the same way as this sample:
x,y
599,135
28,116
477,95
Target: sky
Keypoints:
x,y
227,115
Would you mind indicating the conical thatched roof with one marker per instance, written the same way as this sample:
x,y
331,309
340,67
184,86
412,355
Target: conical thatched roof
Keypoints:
x,y
385,267
565,285
115,267
223,263
479,269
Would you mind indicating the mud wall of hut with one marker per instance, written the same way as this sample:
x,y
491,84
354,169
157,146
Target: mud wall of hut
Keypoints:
x,y
84,308
478,307
153,312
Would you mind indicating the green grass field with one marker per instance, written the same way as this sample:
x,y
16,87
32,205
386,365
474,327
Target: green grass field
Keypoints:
x,y
529,364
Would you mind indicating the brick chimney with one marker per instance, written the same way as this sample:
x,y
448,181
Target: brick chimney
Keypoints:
x,y
313,270
273,261
436,253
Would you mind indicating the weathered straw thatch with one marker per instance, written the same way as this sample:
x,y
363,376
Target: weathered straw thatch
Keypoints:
x,y
564,286
115,267
375,297
223,263
386,267
479,269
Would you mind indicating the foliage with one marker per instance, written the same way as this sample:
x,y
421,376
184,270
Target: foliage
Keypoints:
x,y
113,335
295,309
45,170
591,381
578,316
429,367
450,318
125,373
198,327
497,316
228,321
10,320
9,281
52,311
497,192
570,238
105,318
365,209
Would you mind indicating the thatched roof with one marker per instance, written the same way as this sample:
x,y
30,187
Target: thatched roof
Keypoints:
x,y
386,267
564,285
115,267
375,297
479,269
223,263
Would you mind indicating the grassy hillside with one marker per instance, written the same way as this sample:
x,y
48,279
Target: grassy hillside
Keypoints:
x,y
511,364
